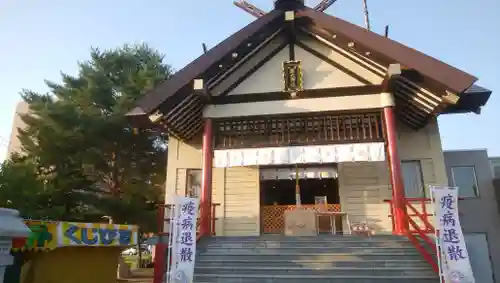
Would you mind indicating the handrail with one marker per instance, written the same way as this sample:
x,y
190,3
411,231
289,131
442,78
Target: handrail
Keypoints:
x,y
411,233
424,215
420,247
422,235
429,228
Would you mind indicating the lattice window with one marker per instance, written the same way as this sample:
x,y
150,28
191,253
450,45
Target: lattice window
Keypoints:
x,y
290,131
273,216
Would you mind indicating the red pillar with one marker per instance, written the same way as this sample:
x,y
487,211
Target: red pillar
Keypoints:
x,y
206,182
398,192
160,262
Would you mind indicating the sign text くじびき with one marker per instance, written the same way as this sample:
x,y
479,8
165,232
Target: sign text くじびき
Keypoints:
x,y
98,234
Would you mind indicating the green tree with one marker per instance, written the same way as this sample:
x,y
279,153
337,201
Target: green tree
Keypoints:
x,y
22,189
81,140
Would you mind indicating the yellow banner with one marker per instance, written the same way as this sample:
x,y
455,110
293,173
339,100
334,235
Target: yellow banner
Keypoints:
x,y
93,234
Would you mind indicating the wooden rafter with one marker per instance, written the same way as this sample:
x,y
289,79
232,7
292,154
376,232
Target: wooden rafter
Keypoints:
x,y
240,54
276,49
436,74
415,103
214,81
185,118
305,94
332,62
392,74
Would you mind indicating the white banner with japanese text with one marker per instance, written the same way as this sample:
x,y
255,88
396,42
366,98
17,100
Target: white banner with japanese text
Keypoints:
x,y
333,153
456,267
184,239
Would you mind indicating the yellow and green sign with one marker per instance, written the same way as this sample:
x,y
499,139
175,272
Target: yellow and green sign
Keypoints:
x,y
50,235
43,236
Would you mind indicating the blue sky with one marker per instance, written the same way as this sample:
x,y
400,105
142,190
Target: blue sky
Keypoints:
x,y
39,39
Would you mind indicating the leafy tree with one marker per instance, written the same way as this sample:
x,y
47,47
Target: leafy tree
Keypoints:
x,y
22,189
82,142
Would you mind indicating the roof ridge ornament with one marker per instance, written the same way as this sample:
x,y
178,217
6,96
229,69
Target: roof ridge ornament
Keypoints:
x,y
288,5
281,5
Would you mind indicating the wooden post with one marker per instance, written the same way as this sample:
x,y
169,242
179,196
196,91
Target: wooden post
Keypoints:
x,y
206,182
298,201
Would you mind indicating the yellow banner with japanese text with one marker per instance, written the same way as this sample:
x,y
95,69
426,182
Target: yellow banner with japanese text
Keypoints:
x,y
95,234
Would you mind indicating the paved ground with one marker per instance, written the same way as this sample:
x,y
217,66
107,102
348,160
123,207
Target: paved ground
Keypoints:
x,y
139,276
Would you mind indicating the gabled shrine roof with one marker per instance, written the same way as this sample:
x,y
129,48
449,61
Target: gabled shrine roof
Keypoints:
x,y
184,77
434,74
387,49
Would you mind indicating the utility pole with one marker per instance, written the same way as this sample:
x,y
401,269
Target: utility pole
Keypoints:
x,y
367,17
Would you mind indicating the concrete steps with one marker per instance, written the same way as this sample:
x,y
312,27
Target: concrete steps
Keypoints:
x,y
323,259
316,263
210,278
307,270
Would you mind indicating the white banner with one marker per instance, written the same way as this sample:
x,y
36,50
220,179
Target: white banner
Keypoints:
x,y
455,261
184,239
300,154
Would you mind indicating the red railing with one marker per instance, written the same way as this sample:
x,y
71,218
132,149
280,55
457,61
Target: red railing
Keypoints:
x,y
161,247
412,212
416,230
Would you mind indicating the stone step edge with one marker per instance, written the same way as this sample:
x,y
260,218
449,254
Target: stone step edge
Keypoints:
x,y
310,244
315,268
330,247
321,235
313,239
314,276
309,240
307,254
345,242
311,260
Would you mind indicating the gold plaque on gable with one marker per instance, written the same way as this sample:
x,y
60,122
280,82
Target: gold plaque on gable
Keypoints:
x,y
292,75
